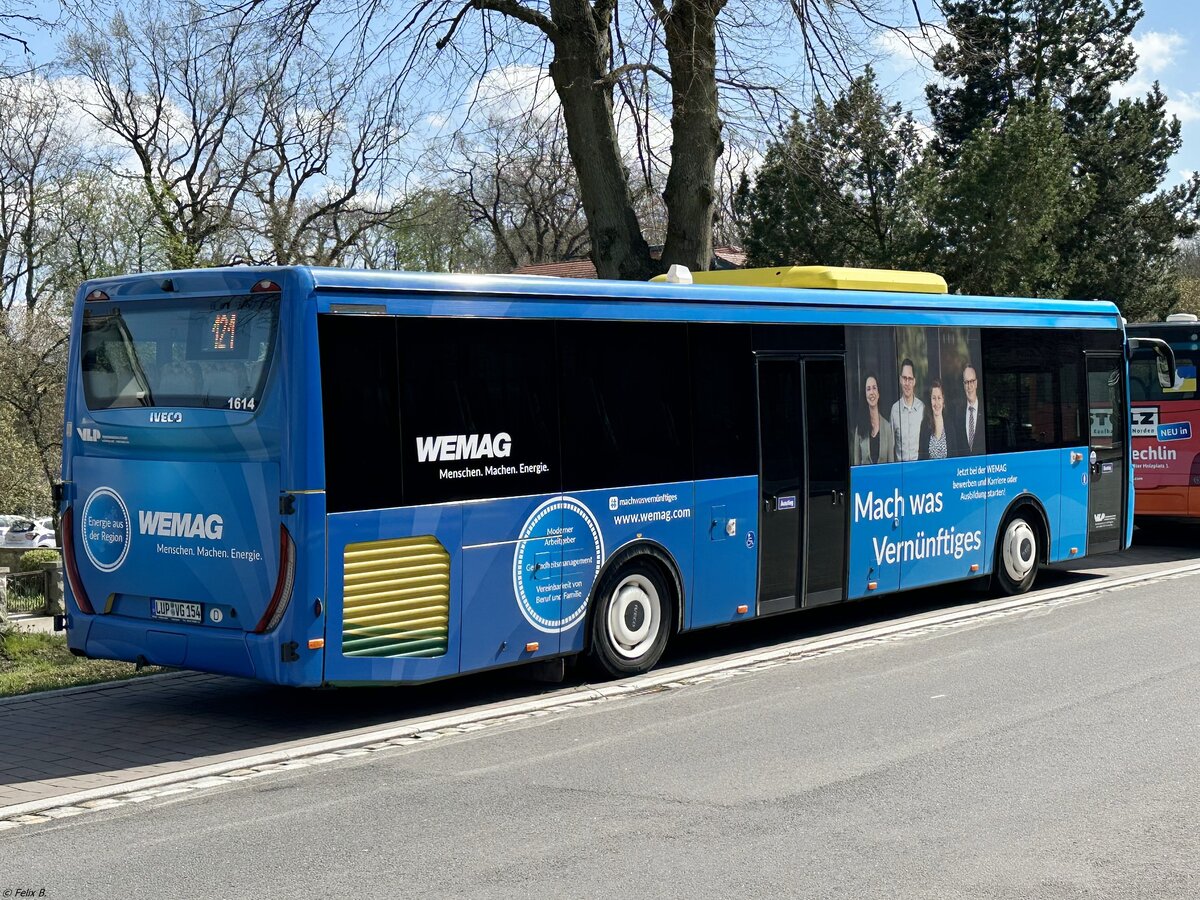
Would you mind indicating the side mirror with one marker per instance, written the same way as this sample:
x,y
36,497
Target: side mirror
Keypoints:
x,y
1168,377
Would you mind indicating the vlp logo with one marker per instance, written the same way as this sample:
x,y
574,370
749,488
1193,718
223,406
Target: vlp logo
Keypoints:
x,y
91,435
104,527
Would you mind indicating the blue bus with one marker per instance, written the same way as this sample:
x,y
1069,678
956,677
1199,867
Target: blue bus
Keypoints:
x,y
318,476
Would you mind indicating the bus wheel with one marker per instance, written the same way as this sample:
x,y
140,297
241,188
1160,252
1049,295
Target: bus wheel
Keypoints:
x,y
1017,555
633,621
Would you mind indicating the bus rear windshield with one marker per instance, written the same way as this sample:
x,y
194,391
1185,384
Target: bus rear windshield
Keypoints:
x,y
200,353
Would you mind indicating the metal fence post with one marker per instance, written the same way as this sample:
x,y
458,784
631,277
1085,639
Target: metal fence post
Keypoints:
x,y
3,595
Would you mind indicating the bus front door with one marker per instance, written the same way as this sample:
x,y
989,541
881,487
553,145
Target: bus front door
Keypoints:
x,y
804,474
1106,451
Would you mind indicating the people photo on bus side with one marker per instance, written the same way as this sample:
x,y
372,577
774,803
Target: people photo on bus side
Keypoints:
x,y
874,440
937,440
972,414
907,415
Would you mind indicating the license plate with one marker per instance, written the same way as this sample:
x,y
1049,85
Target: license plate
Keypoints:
x,y
177,611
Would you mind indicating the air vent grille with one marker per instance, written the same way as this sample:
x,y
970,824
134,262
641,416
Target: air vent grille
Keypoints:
x,y
396,598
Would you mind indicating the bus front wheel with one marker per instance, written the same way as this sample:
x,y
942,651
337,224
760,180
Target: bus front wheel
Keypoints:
x,y
1017,554
631,625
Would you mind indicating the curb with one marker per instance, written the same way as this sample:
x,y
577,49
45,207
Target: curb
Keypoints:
x,y
794,650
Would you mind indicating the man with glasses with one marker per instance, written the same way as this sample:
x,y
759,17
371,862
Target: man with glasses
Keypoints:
x,y
907,413
972,418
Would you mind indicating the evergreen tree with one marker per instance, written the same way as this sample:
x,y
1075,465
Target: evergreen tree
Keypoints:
x,y
998,214
833,189
1117,235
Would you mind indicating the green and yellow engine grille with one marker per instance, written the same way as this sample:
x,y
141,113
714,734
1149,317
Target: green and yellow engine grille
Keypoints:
x,y
396,598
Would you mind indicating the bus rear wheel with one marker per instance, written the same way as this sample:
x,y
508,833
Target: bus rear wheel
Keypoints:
x,y
632,623
1017,553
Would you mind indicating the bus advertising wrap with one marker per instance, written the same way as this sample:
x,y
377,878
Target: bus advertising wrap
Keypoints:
x,y
188,531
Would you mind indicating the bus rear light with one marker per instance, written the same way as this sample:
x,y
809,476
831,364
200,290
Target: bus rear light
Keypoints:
x,y
316,644
96,296
532,647
73,579
266,286
283,584
743,609
871,585
974,567
1074,550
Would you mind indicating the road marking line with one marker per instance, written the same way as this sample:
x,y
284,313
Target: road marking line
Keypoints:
x,y
427,731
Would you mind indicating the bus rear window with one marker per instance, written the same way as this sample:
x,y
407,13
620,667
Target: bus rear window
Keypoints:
x,y
199,353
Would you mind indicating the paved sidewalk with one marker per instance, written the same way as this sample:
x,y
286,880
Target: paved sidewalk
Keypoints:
x,y
61,742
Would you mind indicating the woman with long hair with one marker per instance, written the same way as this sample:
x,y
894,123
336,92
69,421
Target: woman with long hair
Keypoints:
x,y
874,440
937,441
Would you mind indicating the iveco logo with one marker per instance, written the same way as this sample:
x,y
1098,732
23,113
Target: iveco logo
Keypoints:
x,y
164,417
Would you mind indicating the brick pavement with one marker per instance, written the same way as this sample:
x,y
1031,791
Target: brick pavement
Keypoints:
x,y
56,744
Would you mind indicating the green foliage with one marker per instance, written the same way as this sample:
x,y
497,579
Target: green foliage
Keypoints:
x,y
833,190
32,560
435,234
998,214
1115,229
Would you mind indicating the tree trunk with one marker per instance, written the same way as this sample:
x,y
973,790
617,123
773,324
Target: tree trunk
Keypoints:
x,y
690,194
581,57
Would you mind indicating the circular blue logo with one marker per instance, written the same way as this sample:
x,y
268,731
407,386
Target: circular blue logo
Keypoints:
x,y
559,556
104,526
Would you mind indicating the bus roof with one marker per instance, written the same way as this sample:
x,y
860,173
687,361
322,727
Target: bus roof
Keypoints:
x,y
365,285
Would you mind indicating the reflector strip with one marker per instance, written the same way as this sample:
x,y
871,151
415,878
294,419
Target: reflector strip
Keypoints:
x,y
283,584
73,579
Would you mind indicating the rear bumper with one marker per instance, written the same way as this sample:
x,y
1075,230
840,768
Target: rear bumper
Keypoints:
x,y
219,651
1176,501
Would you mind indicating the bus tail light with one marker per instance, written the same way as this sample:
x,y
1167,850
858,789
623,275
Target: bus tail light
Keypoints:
x,y
73,579
283,584
266,286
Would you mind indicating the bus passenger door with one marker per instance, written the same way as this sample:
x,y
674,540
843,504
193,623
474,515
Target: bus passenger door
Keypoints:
x,y
781,482
828,459
1106,451
804,477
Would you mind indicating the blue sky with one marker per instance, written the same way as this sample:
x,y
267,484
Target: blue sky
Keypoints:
x,y
1167,40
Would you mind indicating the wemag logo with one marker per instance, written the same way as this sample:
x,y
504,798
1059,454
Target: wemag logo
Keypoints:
x,y
104,526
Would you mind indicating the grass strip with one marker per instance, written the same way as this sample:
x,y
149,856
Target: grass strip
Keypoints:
x,y
32,661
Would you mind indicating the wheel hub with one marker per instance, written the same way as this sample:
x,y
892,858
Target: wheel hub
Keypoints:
x,y
1020,550
634,616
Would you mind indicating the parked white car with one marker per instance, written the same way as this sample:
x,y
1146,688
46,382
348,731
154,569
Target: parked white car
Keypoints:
x,y
7,522
27,534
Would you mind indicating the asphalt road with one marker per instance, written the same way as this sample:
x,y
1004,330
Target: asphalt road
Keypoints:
x,y
1050,752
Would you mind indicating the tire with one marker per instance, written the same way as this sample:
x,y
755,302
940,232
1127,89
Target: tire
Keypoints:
x,y
1018,550
631,622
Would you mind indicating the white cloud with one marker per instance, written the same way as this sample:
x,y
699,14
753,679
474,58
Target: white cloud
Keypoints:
x,y
513,92
1156,50
1184,106
917,44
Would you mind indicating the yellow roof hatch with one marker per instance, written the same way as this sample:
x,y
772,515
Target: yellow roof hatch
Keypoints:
x,y
840,278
